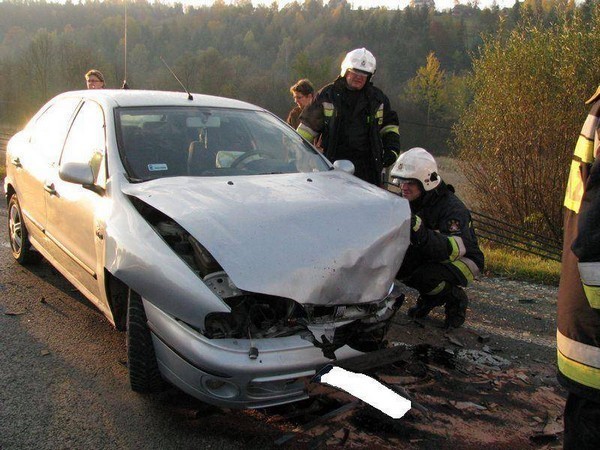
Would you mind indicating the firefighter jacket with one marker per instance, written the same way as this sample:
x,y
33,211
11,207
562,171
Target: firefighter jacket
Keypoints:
x,y
353,125
446,233
578,333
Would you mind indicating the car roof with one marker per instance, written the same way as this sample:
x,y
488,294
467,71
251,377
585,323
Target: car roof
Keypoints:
x,y
134,97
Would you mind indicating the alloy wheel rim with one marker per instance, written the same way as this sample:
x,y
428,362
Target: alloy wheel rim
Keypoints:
x,y
16,234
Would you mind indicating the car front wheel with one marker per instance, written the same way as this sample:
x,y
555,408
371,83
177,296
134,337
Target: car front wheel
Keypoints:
x,y
18,235
144,375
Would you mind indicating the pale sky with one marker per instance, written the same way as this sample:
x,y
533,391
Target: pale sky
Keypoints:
x,y
391,4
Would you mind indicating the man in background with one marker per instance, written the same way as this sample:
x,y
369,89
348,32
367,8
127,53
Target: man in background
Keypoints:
x,y
303,94
94,79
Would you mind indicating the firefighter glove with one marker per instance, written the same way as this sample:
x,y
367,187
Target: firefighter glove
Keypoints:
x,y
418,231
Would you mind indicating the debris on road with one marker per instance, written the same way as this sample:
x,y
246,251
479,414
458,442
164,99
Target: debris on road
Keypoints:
x,y
454,340
483,359
466,405
456,395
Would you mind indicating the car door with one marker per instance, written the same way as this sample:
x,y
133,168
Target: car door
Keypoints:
x,y
35,160
74,212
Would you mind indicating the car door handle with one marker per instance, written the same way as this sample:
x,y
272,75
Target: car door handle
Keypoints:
x,y
17,162
49,188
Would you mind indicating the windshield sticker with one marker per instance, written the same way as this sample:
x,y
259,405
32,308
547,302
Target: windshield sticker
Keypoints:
x,y
157,167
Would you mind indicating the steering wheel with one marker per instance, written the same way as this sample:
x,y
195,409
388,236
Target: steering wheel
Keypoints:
x,y
237,161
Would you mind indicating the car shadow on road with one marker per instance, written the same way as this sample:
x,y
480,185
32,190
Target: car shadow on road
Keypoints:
x,y
46,273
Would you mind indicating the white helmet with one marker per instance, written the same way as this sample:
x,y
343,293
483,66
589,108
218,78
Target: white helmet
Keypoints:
x,y
416,164
359,59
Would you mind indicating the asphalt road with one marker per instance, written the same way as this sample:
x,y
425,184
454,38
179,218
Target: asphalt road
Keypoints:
x,y
64,378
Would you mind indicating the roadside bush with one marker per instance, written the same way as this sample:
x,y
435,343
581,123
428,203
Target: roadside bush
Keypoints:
x,y
517,138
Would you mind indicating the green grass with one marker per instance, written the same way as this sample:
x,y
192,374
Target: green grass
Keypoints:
x,y
520,266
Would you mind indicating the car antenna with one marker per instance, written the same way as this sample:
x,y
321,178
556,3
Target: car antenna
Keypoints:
x,y
178,80
125,85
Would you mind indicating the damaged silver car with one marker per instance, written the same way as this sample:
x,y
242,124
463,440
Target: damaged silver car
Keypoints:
x,y
238,260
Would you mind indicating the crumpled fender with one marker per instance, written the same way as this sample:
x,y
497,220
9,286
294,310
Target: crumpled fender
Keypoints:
x,y
138,256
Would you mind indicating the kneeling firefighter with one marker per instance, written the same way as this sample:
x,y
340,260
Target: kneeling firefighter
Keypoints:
x,y
443,256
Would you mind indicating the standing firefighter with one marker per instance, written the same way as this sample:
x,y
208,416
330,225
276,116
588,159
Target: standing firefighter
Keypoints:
x,y
578,334
352,119
443,256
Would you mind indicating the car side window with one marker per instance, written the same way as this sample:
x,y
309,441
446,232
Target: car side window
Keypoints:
x,y
86,140
49,131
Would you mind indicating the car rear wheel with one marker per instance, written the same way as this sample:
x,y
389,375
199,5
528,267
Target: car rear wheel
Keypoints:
x,y
18,235
144,375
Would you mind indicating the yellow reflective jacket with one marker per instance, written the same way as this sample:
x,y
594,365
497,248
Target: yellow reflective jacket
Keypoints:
x,y
578,321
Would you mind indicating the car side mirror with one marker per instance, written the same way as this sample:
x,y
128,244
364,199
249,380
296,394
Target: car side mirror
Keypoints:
x,y
344,165
78,173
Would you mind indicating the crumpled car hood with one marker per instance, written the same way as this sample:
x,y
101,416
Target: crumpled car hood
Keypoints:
x,y
324,238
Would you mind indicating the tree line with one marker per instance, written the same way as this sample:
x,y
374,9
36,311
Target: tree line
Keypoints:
x,y
242,51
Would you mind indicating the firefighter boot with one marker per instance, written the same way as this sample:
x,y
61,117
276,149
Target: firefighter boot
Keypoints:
x,y
422,308
456,308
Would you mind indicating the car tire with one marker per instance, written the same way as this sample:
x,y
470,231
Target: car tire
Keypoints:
x,y
144,375
19,236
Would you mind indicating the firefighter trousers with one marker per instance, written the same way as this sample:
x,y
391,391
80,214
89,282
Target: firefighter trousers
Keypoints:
x,y
582,423
438,284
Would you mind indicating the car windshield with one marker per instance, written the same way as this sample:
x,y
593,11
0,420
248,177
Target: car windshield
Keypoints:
x,y
158,142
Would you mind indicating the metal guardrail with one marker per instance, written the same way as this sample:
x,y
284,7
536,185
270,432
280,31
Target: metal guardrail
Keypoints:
x,y
508,235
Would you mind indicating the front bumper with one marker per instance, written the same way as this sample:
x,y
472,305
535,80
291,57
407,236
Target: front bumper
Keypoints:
x,y
235,373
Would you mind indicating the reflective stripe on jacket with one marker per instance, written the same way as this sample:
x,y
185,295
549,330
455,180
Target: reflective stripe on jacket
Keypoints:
x,y
579,362
590,277
582,158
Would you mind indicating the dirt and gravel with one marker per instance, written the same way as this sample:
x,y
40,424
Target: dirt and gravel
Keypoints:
x,y
491,383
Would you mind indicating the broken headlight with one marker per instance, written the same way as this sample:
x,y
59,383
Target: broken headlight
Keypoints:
x,y
255,316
